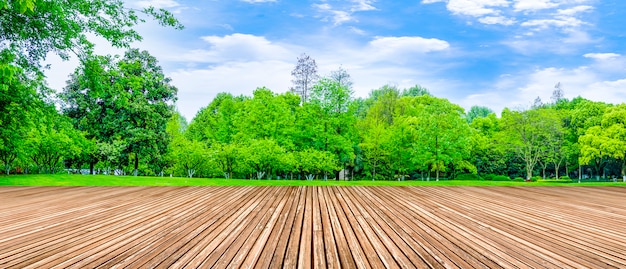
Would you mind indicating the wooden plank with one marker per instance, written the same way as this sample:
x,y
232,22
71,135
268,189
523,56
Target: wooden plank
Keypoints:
x,y
330,227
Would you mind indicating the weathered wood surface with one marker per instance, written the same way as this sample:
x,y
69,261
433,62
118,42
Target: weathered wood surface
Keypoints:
x,y
306,227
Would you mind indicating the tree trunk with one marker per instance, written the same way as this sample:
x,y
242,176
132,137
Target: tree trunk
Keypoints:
x,y
136,171
91,164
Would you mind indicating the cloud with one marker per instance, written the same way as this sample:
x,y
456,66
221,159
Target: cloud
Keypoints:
x,y
475,8
562,15
158,3
574,10
601,56
342,12
520,89
238,48
559,22
533,5
198,87
497,20
407,44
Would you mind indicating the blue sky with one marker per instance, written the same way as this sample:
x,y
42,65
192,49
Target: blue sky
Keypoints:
x,y
494,53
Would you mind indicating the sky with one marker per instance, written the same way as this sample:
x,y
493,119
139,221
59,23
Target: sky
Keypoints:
x,y
493,53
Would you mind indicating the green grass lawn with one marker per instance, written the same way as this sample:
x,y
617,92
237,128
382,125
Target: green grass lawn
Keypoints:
x,y
103,180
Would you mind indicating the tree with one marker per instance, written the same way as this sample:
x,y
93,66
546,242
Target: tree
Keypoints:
x,y
557,94
52,141
20,106
477,112
526,132
416,90
342,77
126,98
442,135
304,76
607,140
488,157
33,28
333,99
262,156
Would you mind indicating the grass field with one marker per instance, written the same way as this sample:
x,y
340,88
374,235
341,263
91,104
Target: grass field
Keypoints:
x,y
103,180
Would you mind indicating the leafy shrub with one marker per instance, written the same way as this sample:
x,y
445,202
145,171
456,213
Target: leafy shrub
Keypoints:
x,y
519,179
501,178
467,177
565,178
489,176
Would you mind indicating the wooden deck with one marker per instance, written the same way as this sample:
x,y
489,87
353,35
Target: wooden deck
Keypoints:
x,y
321,227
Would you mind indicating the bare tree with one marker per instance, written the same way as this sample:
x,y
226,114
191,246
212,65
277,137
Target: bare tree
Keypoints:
x,y
342,77
304,76
557,94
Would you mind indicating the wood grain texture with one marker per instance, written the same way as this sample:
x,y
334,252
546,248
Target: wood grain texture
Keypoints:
x,y
312,227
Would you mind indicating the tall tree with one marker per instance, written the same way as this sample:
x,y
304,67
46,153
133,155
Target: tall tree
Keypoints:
x,y
304,76
20,106
126,98
442,140
334,100
526,133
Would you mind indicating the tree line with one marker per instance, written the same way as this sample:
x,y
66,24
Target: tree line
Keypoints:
x,y
117,115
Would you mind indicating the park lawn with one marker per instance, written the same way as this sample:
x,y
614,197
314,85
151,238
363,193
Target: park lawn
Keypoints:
x,y
104,180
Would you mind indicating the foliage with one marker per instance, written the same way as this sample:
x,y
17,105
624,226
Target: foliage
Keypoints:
x,y
125,99
103,180
500,178
468,176
35,28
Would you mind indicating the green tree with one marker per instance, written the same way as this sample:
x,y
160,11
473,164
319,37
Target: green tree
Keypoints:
x,y
526,133
127,99
607,140
34,28
20,106
52,141
337,124
477,112
442,135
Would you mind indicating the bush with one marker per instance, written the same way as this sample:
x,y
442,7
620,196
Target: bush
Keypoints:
x,y
467,177
518,179
489,176
501,178
565,178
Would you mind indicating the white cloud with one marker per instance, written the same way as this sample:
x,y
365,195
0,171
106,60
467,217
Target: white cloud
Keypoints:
x,y
601,56
475,8
362,5
574,10
520,89
198,87
240,63
561,15
407,44
158,3
534,5
236,47
497,20
559,21
344,13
